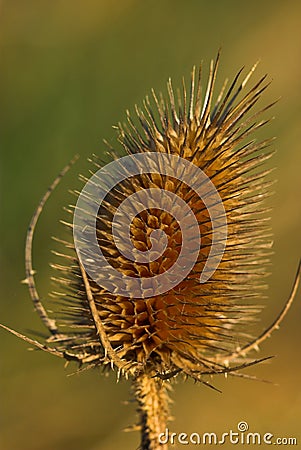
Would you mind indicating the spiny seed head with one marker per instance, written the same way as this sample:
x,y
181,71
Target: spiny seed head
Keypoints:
x,y
194,326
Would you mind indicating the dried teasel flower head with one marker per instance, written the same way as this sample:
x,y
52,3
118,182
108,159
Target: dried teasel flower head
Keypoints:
x,y
151,326
171,245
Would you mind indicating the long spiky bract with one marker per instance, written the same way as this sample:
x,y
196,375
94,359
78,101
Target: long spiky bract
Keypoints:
x,y
195,329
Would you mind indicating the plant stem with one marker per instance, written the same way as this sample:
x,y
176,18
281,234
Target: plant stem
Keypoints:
x,y
153,409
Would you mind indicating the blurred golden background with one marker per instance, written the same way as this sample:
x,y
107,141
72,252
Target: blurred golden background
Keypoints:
x,y
69,69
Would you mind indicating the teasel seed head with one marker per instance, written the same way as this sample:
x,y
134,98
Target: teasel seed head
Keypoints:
x,y
191,327
195,329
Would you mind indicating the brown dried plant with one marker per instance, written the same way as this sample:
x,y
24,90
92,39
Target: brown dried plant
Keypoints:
x,y
193,329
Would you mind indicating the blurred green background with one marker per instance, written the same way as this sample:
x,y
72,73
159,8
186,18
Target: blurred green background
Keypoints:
x,y
69,69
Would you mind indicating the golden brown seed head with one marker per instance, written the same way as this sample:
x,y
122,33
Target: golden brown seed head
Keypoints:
x,y
193,326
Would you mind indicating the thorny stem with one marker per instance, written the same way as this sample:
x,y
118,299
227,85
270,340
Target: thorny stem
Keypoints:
x,y
153,409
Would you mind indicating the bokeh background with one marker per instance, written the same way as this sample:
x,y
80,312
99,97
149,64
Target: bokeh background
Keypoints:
x,y
69,69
